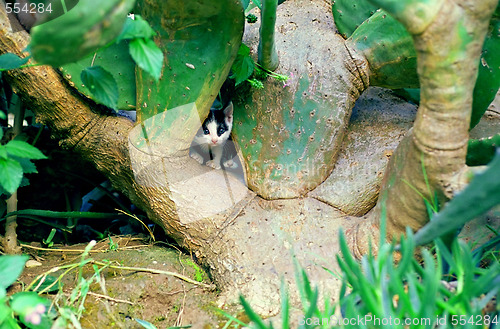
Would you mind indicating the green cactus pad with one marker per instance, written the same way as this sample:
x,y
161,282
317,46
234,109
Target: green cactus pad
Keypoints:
x,y
390,52
289,137
389,49
90,25
349,14
200,39
114,59
289,132
481,151
488,79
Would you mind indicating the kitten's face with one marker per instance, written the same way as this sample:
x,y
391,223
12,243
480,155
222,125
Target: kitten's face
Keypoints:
x,y
216,128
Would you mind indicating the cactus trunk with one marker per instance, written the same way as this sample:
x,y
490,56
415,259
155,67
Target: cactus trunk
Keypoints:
x,y
448,38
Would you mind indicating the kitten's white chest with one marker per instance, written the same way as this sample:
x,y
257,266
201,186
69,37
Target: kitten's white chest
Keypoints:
x,y
212,137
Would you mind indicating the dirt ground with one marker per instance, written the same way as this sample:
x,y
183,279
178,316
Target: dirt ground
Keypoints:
x,y
125,295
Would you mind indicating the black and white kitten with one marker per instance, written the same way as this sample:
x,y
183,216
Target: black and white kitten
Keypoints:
x,y
212,137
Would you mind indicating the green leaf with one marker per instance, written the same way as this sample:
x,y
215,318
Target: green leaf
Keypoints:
x,y
147,55
115,59
488,75
145,324
136,28
254,317
3,152
313,304
11,61
10,323
102,85
27,165
243,65
5,312
479,196
24,150
11,268
481,151
11,174
285,305
91,24
48,283
32,309
24,182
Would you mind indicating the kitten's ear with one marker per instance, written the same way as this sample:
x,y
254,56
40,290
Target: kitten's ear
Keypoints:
x,y
228,112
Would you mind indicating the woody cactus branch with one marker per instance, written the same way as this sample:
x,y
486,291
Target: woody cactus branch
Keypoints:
x,y
448,38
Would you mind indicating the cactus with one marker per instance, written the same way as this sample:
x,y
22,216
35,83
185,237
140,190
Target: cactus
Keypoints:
x,y
448,37
200,40
479,196
488,79
349,14
481,151
116,60
268,57
90,25
289,133
389,50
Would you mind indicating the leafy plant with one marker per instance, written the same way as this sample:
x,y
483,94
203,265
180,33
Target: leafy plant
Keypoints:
x,y
26,308
407,295
246,69
142,48
412,294
113,246
65,39
15,161
94,80
11,61
48,242
104,81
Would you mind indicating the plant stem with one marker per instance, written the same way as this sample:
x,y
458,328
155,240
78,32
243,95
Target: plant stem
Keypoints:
x,y
11,245
151,270
63,214
268,56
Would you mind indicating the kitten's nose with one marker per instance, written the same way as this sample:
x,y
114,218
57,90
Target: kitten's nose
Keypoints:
x,y
214,140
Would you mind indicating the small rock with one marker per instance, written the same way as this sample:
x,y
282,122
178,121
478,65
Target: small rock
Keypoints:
x,y
32,263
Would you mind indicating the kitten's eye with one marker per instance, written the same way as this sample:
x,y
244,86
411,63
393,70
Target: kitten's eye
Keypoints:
x,y
205,131
220,131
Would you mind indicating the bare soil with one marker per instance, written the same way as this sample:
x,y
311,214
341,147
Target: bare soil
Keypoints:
x,y
125,295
